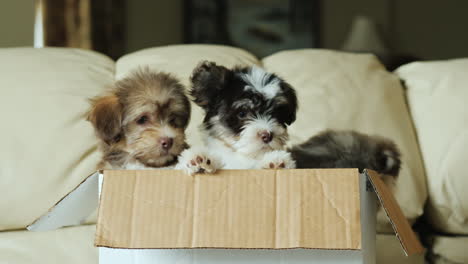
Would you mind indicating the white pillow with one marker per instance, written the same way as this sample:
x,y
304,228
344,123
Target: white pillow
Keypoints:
x,y
47,147
438,99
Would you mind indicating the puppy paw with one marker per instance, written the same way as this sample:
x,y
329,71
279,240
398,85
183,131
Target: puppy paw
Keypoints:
x,y
200,164
197,162
278,159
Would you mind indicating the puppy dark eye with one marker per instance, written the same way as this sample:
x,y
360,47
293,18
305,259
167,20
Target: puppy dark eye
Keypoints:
x,y
177,121
142,120
173,121
242,114
117,138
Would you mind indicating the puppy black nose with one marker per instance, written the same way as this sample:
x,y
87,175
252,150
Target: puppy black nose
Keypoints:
x,y
266,136
166,142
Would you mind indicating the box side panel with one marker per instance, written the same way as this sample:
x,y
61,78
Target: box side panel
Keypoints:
x,y
228,256
73,209
368,220
100,180
116,256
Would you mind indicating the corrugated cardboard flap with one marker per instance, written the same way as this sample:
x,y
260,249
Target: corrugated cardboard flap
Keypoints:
x,y
73,208
232,209
408,239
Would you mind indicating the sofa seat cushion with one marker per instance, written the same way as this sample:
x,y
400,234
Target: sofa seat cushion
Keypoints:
x,y
72,245
438,96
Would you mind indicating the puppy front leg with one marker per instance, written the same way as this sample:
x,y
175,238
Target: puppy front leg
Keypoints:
x,y
277,159
197,161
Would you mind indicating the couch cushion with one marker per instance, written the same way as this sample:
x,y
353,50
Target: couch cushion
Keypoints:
x,y
448,249
438,96
354,91
47,146
180,60
73,245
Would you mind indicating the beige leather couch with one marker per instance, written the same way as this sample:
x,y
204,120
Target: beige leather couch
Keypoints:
x,y
47,148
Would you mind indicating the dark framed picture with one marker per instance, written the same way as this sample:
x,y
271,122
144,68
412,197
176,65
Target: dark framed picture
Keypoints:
x,y
260,26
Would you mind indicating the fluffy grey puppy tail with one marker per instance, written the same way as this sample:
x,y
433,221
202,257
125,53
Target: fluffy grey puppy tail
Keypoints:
x,y
348,149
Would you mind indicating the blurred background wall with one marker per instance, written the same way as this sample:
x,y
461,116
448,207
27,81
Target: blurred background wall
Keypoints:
x,y
153,23
16,23
423,29
427,29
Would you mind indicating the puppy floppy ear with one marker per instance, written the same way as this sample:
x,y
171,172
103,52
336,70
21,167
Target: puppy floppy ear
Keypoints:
x,y
106,116
208,79
287,111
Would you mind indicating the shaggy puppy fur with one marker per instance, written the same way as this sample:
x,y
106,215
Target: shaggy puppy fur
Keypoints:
x,y
141,122
349,149
247,114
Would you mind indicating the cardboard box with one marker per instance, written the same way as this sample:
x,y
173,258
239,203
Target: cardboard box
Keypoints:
x,y
236,216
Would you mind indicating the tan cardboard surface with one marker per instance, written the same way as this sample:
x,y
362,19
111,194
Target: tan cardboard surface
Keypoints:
x,y
232,209
403,230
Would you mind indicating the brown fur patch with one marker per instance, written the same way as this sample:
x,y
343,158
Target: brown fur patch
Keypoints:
x,y
106,117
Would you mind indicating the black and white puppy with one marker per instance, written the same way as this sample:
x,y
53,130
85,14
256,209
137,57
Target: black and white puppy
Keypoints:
x,y
247,111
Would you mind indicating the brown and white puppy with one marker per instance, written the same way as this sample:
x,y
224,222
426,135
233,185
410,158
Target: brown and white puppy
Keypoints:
x,y
141,121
